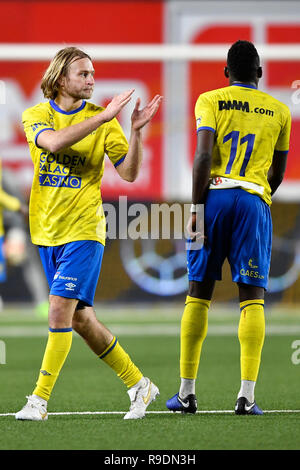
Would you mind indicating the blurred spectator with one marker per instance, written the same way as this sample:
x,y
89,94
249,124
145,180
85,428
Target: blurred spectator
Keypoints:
x,y
15,246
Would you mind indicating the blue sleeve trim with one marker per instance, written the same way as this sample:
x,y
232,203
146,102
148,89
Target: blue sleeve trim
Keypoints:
x,y
110,349
202,128
119,161
42,130
59,330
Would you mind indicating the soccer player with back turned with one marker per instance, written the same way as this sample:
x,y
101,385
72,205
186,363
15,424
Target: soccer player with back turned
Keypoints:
x,y
240,159
68,138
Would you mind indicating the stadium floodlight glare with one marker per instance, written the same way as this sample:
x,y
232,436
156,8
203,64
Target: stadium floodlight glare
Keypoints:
x,y
145,52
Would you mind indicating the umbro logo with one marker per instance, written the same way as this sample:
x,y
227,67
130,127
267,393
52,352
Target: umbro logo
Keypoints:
x,y
44,372
70,286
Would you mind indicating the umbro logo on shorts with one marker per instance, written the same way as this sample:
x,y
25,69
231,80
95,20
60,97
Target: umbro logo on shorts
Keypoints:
x,y
70,286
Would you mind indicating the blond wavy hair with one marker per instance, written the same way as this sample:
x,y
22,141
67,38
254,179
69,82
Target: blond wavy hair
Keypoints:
x,y
58,68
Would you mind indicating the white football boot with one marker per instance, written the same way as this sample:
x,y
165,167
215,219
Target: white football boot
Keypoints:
x,y
34,410
141,397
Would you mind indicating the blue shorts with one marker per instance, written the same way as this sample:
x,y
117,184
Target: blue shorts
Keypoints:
x,y
73,269
238,227
2,261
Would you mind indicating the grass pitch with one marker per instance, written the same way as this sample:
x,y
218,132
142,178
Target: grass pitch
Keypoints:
x,y
90,400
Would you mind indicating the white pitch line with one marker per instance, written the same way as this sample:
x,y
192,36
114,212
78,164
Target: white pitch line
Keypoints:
x,y
147,330
71,413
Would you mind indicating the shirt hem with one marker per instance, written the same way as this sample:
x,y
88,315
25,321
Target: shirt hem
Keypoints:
x,y
65,241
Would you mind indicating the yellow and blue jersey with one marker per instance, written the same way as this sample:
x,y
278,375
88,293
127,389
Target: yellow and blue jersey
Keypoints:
x,y
249,125
65,201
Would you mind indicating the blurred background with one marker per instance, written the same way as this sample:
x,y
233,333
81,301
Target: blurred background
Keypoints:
x,y
147,271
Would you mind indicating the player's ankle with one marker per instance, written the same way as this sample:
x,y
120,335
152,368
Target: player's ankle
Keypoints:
x,y
247,390
40,399
187,387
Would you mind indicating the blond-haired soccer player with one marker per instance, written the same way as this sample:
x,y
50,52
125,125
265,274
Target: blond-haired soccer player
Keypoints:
x,y
68,138
242,145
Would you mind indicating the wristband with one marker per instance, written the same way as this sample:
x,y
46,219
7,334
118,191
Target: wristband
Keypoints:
x,y
195,208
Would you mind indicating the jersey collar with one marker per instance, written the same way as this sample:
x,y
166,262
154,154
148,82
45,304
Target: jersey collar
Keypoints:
x,y
244,85
59,110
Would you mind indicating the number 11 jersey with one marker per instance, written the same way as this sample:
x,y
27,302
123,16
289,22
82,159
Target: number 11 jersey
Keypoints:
x,y
248,125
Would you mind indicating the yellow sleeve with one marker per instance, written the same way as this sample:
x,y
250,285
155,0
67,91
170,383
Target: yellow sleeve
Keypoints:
x,y
116,145
283,141
35,120
9,202
204,114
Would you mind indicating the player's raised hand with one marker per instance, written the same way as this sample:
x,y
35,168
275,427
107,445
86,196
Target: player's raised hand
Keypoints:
x,y
117,103
140,117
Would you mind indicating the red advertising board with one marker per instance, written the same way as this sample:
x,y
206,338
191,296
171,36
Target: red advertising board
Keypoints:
x,y
283,75
137,22
59,22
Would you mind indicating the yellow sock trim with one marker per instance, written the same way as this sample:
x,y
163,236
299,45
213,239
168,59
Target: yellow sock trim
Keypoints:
x,y
195,300
116,358
245,303
57,350
251,334
192,334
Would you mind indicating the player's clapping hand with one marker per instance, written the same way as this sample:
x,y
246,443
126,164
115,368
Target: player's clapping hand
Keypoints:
x,y
117,103
140,117
193,229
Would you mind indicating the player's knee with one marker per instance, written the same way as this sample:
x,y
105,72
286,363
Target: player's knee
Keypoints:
x,y
248,292
201,290
60,312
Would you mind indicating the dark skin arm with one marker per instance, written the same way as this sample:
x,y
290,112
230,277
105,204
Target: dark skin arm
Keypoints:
x,y
201,174
277,170
202,165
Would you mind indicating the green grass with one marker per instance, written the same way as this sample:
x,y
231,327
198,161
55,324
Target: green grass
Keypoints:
x,y
87,384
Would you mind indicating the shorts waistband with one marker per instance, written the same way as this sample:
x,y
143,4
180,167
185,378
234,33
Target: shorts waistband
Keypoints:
x,y
219,182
